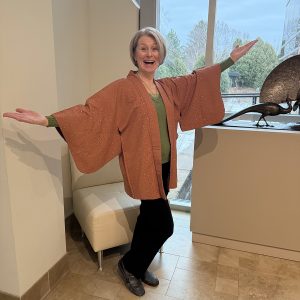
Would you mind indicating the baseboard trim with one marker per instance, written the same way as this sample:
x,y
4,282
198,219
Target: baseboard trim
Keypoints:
x,y
44,285
246,247
181,204
5,296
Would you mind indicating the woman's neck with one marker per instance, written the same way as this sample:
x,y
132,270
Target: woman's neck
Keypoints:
x,y
148,82
146,77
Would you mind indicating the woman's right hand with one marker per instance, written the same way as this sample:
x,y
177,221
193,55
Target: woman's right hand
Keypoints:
x,y
27,116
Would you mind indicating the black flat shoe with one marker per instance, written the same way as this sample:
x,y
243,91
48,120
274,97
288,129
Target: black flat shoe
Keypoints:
x,y
133,284
150,279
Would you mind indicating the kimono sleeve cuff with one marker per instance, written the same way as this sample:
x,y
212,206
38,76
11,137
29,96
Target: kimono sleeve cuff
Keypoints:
x,y
227,63
52,121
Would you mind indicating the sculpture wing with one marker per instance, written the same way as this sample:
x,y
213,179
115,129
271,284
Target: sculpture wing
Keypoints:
x,y
283,81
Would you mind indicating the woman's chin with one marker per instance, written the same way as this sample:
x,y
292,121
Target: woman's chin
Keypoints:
x,y
148,70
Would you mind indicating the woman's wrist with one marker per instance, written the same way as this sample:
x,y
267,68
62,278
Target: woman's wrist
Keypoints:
x,y
45,122
225,64
51,121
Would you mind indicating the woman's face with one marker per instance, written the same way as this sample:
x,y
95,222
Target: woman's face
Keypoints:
x,y
147,55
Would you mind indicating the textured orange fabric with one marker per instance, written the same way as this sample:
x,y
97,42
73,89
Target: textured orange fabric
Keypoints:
x,y
121,120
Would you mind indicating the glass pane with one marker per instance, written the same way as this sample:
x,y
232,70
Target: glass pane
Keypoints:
x,y
237,23
291,33
184,25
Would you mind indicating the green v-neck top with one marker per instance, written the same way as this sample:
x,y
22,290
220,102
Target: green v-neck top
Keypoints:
x,y
163,127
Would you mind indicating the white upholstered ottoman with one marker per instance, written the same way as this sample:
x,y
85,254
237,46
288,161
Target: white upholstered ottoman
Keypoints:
x,y
106,214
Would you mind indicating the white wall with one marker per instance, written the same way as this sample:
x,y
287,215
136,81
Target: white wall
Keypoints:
x,y
71,43
53,54
30,156
112,24
8,263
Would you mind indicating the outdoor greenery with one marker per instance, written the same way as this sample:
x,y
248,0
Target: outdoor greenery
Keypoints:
x,y
252,69
174,64
256,65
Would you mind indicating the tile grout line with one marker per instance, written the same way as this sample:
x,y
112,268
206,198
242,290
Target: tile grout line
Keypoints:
x,y
50,290
178,256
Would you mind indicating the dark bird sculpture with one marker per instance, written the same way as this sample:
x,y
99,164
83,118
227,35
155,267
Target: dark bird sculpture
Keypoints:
x,y
283,80
265,109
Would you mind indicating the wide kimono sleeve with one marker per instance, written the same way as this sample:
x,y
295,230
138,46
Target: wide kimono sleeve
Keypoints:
x,y
91,130
197,97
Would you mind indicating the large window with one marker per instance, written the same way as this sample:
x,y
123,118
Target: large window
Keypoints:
x,y
237,24
184,24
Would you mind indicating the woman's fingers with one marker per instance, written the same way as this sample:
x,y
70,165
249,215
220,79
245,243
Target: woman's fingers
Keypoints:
x,y
251,44
27,116
240,51
248,45
21,110
18,112
8,115
13,115
21,117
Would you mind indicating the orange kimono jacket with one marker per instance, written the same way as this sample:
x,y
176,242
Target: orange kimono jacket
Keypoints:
x,y
121,120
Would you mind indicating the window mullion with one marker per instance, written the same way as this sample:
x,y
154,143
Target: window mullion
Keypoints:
x,y
210,33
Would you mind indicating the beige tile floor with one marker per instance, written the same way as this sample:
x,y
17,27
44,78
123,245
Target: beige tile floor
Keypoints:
x,y
186,270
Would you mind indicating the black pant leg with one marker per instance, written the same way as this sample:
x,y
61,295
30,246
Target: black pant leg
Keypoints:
x,y
153,227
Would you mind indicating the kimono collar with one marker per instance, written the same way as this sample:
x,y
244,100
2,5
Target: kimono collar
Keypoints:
x,y
133,75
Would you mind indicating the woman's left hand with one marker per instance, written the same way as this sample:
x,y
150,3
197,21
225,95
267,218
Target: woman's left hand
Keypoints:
x,y
240,51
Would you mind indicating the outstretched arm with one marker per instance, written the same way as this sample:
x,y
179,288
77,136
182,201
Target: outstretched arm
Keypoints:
x,y
27,116
235,55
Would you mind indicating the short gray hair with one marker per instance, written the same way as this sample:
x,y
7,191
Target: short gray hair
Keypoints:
x,y
155,34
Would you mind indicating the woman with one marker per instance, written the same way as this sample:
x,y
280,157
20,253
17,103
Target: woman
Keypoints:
x,y
136,118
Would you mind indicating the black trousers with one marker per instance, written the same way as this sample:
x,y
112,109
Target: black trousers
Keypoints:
x,y
153,227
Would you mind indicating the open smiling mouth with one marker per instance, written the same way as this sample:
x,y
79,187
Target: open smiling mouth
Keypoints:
x,y
149,62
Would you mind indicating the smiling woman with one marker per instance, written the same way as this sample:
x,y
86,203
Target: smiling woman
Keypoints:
x,y
136,118
147,58
148,52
